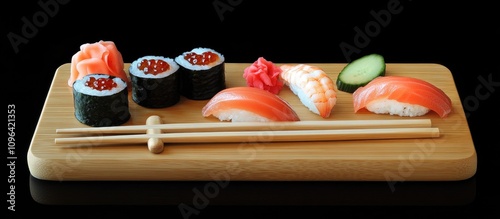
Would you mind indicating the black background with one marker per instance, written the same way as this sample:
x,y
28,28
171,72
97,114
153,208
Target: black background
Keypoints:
x,y
463,36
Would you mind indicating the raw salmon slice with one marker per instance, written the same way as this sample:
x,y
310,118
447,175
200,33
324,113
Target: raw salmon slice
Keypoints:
x,y
240,104
401,95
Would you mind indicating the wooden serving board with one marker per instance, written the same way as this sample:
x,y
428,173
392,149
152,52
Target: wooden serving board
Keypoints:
x,y
450,157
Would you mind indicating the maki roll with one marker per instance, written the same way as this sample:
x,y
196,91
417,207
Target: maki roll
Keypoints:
x,y
202,73
101,100
155,82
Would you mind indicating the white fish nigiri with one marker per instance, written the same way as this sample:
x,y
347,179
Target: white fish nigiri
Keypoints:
x,y
315,89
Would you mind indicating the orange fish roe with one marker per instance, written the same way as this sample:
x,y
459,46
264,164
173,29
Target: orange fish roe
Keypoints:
x,y
152,66
100,84
201,59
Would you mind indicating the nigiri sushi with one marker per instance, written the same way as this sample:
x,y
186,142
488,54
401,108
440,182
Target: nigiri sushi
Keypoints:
x,y
403,96
248,104
315,89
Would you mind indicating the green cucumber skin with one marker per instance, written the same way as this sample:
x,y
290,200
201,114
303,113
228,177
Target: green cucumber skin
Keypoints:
x,y
345,85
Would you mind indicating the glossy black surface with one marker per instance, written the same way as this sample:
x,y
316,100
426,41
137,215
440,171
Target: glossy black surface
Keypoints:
x,y
39,36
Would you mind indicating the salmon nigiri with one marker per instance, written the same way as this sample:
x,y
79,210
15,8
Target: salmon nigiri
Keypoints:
x,y
312,85
248,104
401,95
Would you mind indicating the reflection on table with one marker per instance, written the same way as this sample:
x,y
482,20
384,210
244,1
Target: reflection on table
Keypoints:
x,y
196,193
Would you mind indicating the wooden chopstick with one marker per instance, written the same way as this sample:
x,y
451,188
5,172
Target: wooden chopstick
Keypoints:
x,y
156,135
264,136
253,126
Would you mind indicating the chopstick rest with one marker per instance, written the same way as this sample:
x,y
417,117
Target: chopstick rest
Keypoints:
x,y
155,145
225,132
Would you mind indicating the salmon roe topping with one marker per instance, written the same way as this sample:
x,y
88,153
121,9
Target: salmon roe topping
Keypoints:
x,y
153,66
100,84
201,59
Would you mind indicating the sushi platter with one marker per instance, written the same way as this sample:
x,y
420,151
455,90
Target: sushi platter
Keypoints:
x,y
451,156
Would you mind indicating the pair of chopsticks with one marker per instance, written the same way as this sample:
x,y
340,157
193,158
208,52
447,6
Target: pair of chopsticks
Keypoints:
x,y
156,134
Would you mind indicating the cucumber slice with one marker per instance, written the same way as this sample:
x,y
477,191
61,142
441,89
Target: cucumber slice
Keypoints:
x,y
360,71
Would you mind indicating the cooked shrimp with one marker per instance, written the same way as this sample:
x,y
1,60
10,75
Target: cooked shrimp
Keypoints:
x,y
315,89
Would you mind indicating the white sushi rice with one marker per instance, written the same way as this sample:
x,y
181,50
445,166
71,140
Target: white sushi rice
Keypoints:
x,y
139,73
184,63
79,86
394,107
304,98
237,115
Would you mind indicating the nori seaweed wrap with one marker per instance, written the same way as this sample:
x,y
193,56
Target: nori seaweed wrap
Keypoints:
x,y
101,100
202,73
155,81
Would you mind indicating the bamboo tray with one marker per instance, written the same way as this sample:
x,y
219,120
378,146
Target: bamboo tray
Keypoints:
x,y
450,157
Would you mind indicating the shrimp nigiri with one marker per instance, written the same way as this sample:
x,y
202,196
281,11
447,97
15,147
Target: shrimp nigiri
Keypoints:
x,y
401,95
315,89
248,104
